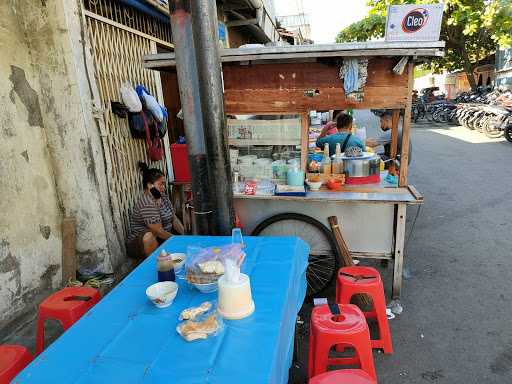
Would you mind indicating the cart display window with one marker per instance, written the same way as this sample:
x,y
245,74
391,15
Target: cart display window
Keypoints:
x,y
262,146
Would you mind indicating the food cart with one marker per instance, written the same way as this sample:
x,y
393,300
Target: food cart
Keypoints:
x,y
269,93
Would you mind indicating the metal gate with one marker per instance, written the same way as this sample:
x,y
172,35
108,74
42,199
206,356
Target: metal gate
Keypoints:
x,y
120,36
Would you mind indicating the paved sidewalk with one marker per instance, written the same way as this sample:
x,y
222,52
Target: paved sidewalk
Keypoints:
x,y
456,325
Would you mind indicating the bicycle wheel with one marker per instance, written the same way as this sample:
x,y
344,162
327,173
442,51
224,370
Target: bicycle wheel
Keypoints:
x,y
323,258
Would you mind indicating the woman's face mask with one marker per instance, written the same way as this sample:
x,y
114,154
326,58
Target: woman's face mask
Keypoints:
x,y
155,192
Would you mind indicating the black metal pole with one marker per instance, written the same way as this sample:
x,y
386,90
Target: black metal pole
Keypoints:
x,y
181,24
206,43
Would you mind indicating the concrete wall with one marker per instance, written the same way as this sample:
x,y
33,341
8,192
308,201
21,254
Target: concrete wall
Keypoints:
x,y
30,248
51,162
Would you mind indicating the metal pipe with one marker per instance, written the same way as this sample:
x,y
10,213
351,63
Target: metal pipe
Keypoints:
x,y
206,43
142,7
181,24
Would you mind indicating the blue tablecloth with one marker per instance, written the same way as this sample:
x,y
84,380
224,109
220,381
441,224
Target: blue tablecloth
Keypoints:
x,y
126,339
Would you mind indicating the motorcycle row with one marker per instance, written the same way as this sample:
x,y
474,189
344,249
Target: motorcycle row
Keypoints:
x,y
486,110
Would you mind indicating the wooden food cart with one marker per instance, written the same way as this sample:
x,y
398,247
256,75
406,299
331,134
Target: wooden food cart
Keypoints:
x,y
273,89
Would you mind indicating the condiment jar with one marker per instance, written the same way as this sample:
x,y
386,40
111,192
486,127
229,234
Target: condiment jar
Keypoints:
x,y
165,267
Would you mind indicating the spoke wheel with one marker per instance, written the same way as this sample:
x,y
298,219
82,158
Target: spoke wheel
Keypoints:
x,y
508,133
323,258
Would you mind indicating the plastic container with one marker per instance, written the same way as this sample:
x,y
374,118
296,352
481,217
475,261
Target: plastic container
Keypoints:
x,y
162,294
295,177
235,299
279,170
178,260
165,266
180,165
206,288
265,188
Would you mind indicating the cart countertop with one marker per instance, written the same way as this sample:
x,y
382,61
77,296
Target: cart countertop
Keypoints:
x,y
308,52
352,194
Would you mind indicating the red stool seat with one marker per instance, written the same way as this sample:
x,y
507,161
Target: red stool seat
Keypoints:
x,y
13,358
344,376
348,329
66,306
366,280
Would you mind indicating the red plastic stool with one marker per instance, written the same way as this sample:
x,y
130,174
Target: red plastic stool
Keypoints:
x,y
67,306
13,358
357,280
348,329
343,376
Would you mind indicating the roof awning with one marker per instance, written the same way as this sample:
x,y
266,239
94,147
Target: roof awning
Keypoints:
x,y
417,50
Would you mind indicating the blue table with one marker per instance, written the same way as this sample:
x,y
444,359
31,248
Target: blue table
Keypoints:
x,y
126,339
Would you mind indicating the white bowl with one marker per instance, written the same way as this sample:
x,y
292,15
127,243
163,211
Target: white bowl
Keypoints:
x,y
207,288
162,294
314,185
182,256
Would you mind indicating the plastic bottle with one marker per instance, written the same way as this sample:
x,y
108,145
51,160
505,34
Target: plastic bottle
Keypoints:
x,y
337,161
165,267
326,161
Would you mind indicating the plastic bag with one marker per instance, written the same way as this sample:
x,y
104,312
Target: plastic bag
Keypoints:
x,y
206,265
202,325
130,98
150,103
361,134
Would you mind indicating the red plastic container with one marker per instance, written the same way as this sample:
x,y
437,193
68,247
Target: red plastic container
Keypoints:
x,y
180,164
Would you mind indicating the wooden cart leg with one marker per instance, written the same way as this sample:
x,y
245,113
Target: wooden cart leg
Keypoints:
x,y
399,250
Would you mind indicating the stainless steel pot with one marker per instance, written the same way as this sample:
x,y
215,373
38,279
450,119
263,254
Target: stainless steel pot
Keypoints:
x,y
361,167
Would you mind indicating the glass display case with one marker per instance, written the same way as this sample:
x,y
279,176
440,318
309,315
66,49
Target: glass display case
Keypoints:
x,y
263,147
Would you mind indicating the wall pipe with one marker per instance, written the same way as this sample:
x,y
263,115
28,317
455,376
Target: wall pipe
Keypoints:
x,y
186,68
206,43
142,7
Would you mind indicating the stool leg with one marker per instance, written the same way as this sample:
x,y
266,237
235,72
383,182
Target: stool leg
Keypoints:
x,y
311,352
384,341
40,334
321,357
364,352
345,296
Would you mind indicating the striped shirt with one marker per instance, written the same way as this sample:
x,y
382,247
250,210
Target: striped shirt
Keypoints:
x,y
147,211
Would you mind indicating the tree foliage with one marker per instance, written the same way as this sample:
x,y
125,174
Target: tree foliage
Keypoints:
x,y
471,29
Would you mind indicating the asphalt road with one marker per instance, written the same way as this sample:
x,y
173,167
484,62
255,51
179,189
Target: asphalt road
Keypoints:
x,y
457,321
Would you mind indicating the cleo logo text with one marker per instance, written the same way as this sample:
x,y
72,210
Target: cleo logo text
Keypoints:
x,y
415,20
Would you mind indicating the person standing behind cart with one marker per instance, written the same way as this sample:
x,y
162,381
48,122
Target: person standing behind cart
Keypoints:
x,y
331,125
384,138
344,135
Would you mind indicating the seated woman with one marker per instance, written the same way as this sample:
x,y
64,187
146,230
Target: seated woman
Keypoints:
x,y
152,217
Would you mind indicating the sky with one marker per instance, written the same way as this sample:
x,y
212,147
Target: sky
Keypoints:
x,y
327,17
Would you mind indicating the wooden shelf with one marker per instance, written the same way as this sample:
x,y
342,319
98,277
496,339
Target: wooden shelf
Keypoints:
x,y
246,142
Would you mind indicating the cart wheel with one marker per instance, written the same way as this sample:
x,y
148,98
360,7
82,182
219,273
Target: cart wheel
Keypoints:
x,y
323,258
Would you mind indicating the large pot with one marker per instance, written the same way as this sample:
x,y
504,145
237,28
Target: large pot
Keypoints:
x,y
361,166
